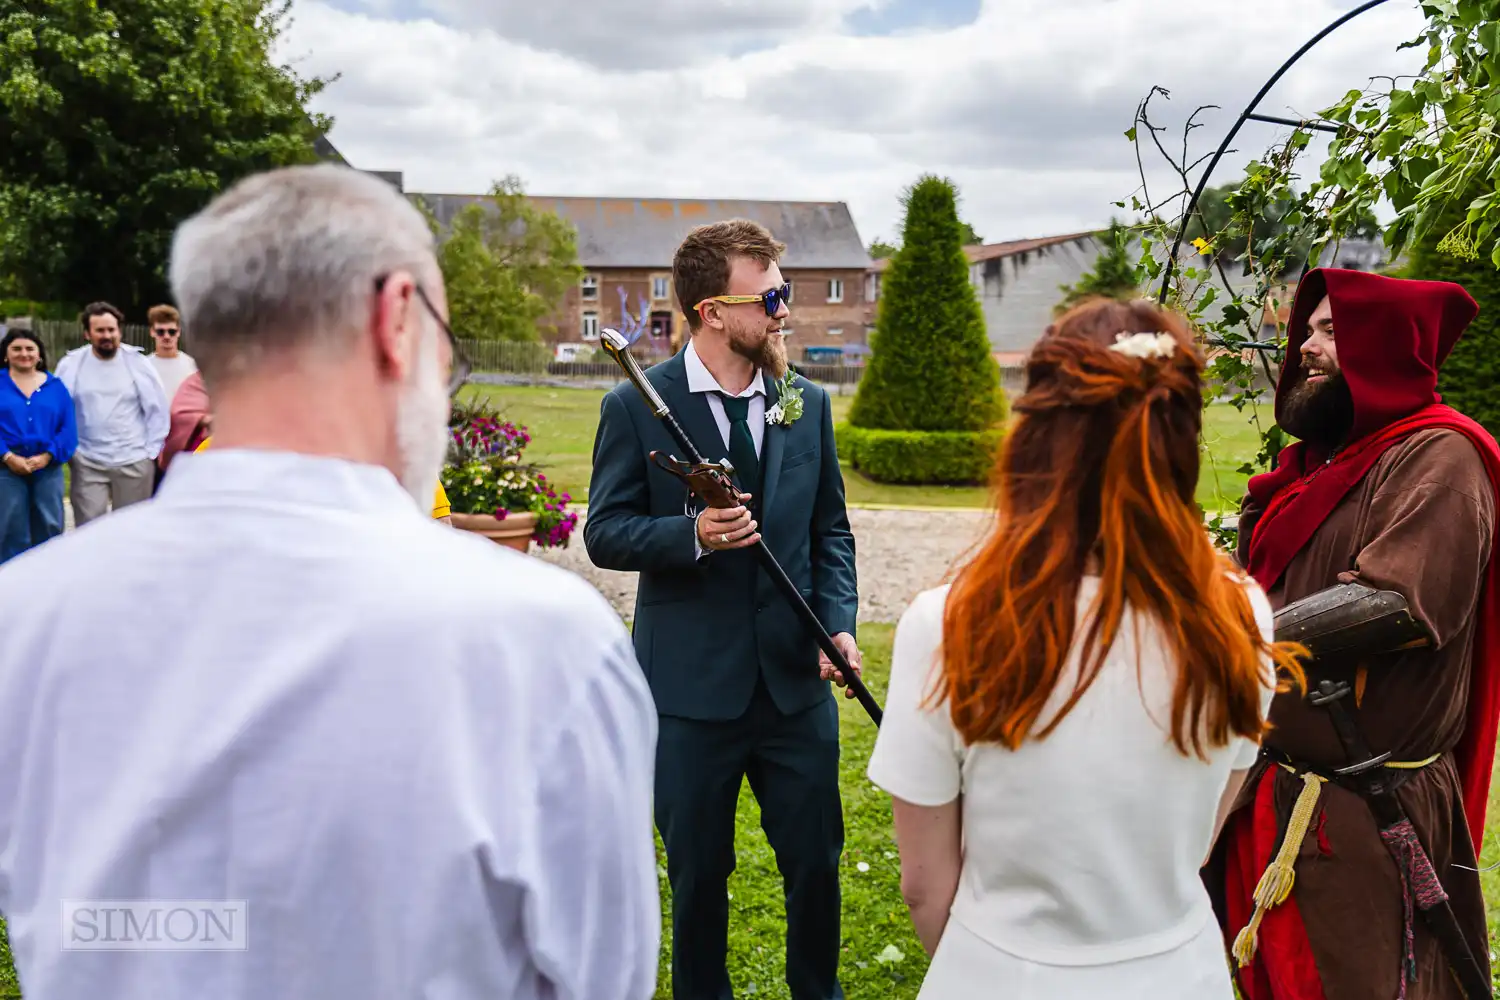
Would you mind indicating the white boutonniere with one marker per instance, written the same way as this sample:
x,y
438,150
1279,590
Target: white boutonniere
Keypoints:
x,y
789,404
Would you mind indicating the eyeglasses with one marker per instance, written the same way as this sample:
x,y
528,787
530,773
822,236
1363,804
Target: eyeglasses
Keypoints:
x,y
165,332
461,368
772,299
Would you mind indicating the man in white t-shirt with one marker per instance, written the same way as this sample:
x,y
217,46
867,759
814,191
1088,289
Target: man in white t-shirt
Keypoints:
x,y
171,363
123,418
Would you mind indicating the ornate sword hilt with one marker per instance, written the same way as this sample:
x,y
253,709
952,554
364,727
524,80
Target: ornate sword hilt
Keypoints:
x,y
710,481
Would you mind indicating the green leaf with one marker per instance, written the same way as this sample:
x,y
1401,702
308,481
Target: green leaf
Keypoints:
x,y
1130,134
1404,102
1488,35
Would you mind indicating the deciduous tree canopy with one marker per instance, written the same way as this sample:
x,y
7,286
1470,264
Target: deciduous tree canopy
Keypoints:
x,y
120,120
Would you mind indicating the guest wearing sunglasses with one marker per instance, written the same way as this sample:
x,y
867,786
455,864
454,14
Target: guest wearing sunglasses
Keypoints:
x,y
739,685
171,362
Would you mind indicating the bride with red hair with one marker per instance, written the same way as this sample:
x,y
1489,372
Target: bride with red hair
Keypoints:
x,y
1068,721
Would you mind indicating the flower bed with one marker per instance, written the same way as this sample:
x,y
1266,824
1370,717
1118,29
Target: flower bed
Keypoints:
x,y
484,474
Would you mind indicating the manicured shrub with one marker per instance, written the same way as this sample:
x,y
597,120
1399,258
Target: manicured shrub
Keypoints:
x,y
931,368
935,457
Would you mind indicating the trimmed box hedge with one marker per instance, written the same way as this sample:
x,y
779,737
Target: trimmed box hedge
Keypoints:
x,y
950,458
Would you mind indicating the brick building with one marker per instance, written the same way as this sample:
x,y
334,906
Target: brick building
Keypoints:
x,y
625,246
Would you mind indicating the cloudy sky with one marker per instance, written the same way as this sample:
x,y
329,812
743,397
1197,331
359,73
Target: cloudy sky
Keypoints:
x,y
1022,102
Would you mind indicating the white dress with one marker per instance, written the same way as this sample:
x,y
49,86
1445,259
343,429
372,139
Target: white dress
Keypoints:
x,y
1081,851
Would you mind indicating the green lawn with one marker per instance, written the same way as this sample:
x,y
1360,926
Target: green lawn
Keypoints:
x,y
874,916
562,423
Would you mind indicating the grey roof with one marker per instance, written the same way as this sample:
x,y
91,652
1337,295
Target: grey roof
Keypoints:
x,y
645,232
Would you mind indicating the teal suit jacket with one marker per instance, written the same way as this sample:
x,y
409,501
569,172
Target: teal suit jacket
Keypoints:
x,y
705,628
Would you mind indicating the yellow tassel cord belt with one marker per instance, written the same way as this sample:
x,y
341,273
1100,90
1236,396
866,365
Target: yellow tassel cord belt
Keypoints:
x,y
1276,884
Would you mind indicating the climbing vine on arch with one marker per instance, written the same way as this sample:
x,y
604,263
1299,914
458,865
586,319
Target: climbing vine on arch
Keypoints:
x,y
1406,147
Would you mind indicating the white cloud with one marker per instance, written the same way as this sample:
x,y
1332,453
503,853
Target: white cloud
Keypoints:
x,y
1025,108
642,34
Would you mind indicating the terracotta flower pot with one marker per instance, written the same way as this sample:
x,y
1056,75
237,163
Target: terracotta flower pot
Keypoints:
x,y
513,531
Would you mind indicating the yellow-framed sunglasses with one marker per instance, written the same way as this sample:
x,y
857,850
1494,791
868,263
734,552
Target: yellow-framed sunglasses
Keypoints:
x,y
772,300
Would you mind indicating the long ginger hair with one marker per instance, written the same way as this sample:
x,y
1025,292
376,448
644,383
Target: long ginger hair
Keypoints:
x,y
1098,475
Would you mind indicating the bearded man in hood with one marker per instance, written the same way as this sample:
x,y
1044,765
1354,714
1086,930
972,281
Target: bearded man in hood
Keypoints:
x,y
1347,869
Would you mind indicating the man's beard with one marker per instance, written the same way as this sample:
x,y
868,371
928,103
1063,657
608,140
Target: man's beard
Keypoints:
x,y
1320,413
422,426
106,351
767,354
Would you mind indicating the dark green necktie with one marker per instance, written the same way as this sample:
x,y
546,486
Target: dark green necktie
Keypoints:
x,y
742,444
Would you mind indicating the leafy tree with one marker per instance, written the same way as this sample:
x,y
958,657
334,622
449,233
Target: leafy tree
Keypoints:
x,y
1220,223
931,369
880,250
122,119
507,265
1113,274
1472,371
969,236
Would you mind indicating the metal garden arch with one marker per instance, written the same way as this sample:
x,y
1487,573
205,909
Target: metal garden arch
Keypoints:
x,y
1250,114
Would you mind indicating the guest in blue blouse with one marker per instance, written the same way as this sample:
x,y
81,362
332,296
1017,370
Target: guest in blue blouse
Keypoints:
x,y
38,431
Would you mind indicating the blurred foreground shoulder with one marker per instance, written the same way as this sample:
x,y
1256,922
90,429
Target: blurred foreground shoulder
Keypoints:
x,y
487,579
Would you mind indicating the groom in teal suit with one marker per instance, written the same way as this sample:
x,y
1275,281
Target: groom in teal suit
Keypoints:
x,y
741,688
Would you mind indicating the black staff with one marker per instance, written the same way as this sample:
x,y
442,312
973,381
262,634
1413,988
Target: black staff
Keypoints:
x,y
711,482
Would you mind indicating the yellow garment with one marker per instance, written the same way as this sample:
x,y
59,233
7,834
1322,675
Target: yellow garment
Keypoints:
x,y
440,506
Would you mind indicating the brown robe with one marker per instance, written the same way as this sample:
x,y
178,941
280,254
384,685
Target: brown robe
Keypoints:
x,y
1421,523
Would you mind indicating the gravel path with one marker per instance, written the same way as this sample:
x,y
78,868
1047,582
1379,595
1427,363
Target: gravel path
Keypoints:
x,y
898,554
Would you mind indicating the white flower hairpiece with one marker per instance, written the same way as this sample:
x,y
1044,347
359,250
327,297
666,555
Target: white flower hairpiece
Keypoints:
x,y
1145,345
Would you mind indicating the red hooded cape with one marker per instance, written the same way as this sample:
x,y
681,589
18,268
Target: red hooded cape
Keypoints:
x,y
1398,333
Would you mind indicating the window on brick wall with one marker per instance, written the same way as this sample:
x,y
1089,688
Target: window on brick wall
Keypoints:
x,y
835,331
589,286
661,288
835,290
590,328
872,287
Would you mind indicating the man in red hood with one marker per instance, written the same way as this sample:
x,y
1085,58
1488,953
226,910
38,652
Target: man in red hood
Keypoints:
x,y
1336,881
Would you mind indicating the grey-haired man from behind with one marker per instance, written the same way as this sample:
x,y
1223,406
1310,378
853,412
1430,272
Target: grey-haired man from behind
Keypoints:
x,y
372,756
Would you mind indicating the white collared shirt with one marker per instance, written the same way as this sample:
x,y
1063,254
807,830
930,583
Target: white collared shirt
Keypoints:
x,y
700,379
423,761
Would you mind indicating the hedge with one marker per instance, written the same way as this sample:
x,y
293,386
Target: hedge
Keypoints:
x,y
13,308
956,458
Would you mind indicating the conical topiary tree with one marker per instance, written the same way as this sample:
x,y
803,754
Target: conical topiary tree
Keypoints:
x,y
930,403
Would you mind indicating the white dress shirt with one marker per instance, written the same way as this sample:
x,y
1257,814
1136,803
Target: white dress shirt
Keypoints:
x,y
423,761
700,379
